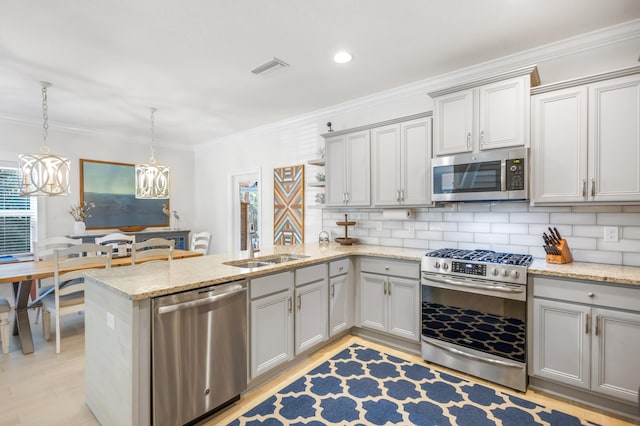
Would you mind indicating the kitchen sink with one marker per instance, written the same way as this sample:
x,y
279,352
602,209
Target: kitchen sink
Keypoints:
x,y
258,262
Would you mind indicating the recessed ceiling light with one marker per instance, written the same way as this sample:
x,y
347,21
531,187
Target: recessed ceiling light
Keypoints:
x,y
342,57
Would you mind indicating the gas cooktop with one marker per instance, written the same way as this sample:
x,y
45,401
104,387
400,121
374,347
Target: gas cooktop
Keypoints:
x,y
487,256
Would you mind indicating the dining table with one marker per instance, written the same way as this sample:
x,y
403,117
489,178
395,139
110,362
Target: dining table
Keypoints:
x,y
23,274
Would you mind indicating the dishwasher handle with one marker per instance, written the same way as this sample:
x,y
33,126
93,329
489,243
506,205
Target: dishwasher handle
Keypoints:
x,y
199,302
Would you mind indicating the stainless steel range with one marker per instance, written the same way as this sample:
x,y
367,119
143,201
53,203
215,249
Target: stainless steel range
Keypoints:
x,y
474,313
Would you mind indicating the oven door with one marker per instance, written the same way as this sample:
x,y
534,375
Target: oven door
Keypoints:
x,y
483,316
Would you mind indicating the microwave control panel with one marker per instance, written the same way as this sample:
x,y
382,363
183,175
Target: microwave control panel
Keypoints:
x,y
515,174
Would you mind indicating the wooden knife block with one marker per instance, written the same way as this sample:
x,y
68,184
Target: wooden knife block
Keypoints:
x,y
564,256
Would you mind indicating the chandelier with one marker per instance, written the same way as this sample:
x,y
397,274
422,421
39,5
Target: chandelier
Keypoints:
x,y
44,173
152,180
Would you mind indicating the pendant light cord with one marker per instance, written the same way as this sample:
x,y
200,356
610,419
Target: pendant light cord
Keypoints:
x,y
45,116
152,160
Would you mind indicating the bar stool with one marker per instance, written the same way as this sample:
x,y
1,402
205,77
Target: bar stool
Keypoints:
x,y
5,308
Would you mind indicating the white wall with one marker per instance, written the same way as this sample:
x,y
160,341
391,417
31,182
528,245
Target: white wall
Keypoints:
x,y
18,137
296,140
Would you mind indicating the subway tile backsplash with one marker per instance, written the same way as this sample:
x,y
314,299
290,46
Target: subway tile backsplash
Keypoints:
x,y
505,226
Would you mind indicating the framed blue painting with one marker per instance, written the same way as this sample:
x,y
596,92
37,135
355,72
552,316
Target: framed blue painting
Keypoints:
x,y
111,188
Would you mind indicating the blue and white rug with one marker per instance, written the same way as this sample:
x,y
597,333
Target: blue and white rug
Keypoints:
x,y
361,386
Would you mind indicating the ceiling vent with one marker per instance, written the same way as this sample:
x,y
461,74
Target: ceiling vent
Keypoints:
x,y
273,64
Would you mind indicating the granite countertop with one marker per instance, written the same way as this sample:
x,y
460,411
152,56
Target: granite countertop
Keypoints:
x,y
161,278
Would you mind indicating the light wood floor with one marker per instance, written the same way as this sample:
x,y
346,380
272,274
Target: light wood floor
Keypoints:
x,y
45,388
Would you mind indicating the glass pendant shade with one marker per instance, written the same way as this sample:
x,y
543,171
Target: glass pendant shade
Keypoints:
x,y
44,174
152,181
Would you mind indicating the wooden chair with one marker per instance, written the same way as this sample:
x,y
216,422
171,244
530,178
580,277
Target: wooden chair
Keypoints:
x,y
152,249
68,291
44,250
5,308
121,244
200,242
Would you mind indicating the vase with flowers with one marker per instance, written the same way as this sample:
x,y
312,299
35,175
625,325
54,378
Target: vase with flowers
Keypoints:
x,y
80,212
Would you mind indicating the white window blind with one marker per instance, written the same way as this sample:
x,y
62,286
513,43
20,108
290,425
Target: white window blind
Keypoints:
x,y
18,215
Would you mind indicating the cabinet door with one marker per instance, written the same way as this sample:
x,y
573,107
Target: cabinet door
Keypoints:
x,y
559,146
373,301
311,315
358,166
404,305
335,169
385,170
615,362
614,140
453,123
415,164
561,342
271,331
339,312
503,114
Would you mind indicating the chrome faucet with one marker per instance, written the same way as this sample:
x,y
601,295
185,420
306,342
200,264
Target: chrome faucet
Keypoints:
x,y
250,233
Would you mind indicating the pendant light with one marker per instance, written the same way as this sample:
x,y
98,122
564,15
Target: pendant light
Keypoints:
x,y
152,180
44,173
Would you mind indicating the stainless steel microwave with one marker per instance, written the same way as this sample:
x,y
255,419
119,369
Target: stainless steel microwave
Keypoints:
x,y
500,174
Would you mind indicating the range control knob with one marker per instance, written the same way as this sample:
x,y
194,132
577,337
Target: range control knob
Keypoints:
x,y
436,265
505,273
515,274
494,271
445,266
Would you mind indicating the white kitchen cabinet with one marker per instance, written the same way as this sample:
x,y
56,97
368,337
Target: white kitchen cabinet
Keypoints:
x,y
487,116
586,141
340,297
587,335
271,331
311,307
348,180
390,297
401,163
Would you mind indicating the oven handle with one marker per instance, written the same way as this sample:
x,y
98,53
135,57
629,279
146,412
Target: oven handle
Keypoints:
x,y
471,356
463,284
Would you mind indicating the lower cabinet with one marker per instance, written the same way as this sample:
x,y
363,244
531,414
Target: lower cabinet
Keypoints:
x,y
271,310
390,297
288,315
340,297
311,307
587,335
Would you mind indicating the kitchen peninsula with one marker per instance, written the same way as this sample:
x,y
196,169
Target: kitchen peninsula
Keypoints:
x,y
119,314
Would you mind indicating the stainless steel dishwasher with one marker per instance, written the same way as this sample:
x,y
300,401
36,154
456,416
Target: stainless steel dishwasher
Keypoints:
x,y
199,352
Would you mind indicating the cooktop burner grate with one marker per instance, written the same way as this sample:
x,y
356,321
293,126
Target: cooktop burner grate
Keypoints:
x,y
487,256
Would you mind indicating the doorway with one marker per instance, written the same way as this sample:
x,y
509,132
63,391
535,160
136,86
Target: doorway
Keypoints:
x,y
245,211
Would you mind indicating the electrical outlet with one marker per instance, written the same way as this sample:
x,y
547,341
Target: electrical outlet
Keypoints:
x,y
611,234
111,321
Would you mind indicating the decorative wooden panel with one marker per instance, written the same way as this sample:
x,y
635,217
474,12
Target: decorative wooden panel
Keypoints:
x,y
288,200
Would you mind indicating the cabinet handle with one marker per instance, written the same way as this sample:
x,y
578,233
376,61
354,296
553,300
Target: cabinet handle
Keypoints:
x,y
597,325
289,302
385,288
398,195
588,325
402,195
346,196
389,288
386,268
469,140
333,290
593,187
590,295
341,268
584,188
482,138
299,302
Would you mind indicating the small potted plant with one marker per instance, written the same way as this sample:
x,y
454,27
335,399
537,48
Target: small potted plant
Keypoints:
x,y
80,212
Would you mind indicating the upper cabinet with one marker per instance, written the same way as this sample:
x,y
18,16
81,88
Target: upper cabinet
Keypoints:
x,y
586,140
348,170
487,114
400,163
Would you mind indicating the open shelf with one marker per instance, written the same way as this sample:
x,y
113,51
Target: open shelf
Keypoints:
x,y
317,184
316,162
